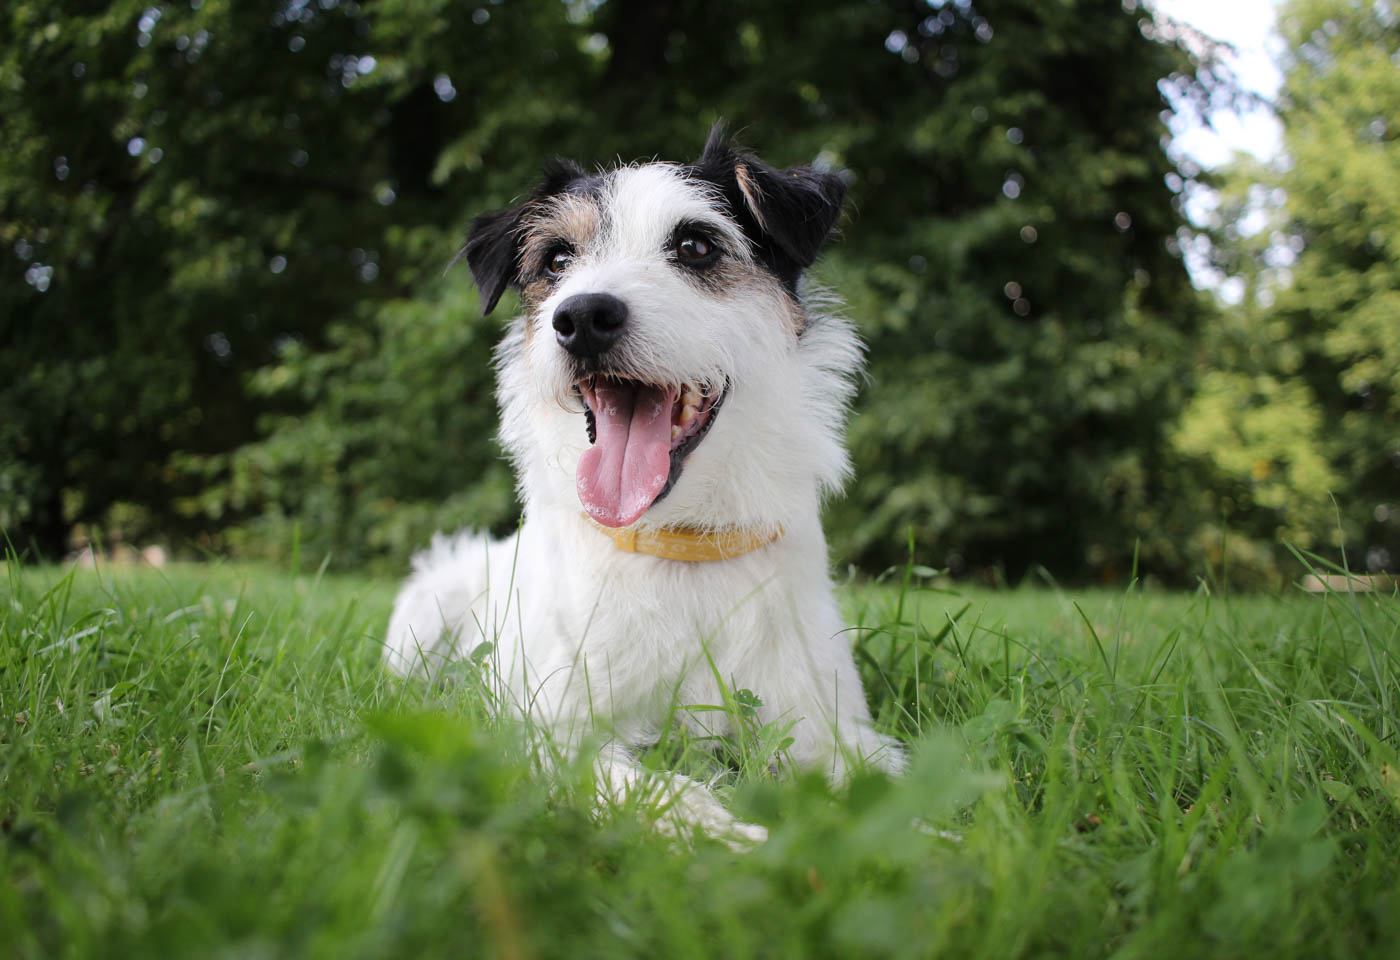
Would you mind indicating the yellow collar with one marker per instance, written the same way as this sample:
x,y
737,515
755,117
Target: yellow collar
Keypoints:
x,y
688,544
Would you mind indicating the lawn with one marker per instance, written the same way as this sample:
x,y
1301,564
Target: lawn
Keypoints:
x,y
208,761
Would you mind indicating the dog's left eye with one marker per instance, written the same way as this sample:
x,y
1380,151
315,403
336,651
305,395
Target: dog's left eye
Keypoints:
x,y
694,250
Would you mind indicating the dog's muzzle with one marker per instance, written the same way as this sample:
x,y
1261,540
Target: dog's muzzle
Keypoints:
x,y
589,324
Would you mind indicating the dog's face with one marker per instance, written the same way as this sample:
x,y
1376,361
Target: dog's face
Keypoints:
x,y
660,305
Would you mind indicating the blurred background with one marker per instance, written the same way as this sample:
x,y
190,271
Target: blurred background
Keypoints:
x,y
226,326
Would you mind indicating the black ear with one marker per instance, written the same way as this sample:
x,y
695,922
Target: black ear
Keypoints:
x,y
493,242
492,252
788,214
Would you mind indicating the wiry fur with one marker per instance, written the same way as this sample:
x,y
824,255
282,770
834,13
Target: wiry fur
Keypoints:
x,y
588,637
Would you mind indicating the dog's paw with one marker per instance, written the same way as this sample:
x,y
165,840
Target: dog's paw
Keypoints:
x,y
745,836
685,823
676,805
695,810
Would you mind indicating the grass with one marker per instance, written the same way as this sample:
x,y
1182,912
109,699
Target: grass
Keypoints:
x,y
208,761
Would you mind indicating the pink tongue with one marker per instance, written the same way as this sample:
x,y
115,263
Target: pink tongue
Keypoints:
x,y
626,468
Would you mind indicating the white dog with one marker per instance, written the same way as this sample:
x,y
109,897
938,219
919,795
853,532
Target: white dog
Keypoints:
x,y
674,407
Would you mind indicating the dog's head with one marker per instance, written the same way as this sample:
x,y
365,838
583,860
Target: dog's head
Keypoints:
x,y
663,319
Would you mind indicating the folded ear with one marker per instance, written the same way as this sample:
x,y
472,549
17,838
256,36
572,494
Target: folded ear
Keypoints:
x,y
492,254
787,214
492,251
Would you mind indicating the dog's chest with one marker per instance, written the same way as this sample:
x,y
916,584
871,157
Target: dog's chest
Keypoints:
x,y
634,633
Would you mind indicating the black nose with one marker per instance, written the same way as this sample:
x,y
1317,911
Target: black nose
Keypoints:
x,y
588,324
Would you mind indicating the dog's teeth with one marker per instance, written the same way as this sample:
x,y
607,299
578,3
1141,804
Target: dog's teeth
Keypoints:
x,y
675,432
687,413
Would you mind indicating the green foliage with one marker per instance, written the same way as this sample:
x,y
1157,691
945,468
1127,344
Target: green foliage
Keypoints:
x,y
279,186
190,186
396,442
1029,325
1255,435
1302,400
147,193
210,761
1343,90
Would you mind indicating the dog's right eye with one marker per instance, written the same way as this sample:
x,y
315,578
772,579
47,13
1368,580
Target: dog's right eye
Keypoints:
x,y
558,262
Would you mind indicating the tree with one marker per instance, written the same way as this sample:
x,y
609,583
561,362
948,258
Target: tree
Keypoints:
x,y
1009,255
1342,131
1304,397
1030,322
189,188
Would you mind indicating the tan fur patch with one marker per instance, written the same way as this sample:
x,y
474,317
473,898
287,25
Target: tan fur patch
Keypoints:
x,y
748,279
567,218
752,194
535,292
792,310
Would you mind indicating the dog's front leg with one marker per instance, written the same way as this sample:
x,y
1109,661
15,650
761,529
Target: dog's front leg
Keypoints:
x,y
838,748
835,734
676,804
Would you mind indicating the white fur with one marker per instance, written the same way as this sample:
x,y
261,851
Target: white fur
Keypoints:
x,y
590,638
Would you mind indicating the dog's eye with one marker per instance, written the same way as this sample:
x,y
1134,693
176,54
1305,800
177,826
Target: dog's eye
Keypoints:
x,y
694,250
559,261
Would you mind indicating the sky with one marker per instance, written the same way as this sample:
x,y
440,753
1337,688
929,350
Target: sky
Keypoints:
x,y
1251,27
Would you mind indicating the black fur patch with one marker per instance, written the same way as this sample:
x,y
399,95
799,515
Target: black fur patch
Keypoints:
x,y
796,208
492,251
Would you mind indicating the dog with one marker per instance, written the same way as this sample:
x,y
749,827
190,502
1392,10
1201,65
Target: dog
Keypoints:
x,y
673,399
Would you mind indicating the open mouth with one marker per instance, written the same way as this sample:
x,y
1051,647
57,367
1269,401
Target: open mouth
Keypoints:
x,y
641,434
